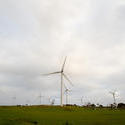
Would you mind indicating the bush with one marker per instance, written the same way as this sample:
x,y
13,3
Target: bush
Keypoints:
x,y
121,105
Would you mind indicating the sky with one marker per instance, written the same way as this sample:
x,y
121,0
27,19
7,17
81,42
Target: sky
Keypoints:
x,y
35,37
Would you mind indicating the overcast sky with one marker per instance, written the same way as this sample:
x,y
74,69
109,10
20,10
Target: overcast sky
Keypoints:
x,y
35,37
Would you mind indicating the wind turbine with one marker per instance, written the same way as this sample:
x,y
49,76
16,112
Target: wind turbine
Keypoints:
x,y
14,100
40,97
114,96
52,100
67,92
62,75
82,100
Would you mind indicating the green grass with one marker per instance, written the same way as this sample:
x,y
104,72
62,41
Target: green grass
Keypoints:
x,y
54,115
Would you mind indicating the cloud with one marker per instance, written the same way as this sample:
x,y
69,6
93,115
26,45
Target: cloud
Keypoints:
x,y
35,36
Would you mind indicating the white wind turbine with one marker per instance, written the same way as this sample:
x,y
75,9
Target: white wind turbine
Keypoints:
x,y
40,97
82,100
62,75
67,92
52,100
114,95
14,100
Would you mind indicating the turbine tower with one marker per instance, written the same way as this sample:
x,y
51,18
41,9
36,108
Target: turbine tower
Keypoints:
x,y
62,75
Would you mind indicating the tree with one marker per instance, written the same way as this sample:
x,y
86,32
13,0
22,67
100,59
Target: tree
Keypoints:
x,y
121,105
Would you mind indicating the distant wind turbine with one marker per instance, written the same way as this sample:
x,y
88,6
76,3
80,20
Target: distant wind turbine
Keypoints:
x,y
52,100
40,97
67,92
82,100
14,100
62,75
114,96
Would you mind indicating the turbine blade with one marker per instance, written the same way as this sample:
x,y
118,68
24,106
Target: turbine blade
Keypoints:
x,y
67,79
51,73
63,64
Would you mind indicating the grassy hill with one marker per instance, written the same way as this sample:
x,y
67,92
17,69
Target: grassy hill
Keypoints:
x,y
55,115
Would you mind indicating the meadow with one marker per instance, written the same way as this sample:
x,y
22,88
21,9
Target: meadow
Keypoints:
x,y
55,115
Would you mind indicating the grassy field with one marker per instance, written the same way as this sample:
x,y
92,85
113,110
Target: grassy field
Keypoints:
x,y
54,115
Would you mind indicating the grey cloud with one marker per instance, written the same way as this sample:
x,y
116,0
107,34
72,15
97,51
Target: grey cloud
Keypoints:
x,y
36,35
